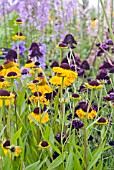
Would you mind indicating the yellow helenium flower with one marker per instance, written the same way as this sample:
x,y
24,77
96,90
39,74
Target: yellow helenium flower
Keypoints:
x,y
39,117
40,86
93,23
0,52
102,121
4,84
9,66
18,150
12,75
57,81
82,114
64,72
41,99
44,144
6,98
29,64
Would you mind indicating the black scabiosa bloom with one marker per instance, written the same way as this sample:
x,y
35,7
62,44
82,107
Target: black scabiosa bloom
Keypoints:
x,y
35,51
54,64
76,124
109,42
58,138
106,65
11,55
85,65
111,143
70,41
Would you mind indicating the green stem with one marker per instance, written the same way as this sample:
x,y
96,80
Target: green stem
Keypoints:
x,y
109,26
85,131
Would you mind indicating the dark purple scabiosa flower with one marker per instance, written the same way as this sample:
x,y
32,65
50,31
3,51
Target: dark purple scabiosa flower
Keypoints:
x,y
109,97
111,70
111,143
80,72
90,138
65,66
104,46
98,44
99,52
85,65
33,46
35,51
76,124
55,155
64,60
82,88
54,64
109,42
50,96
11,55
70,41
106,65
102,77
58,138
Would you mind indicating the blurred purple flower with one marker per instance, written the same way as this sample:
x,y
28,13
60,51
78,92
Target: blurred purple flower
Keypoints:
x,y
22,47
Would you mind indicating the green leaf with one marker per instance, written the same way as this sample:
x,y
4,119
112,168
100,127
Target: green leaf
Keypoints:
x,y
100,166
40,165
77,163
69,161
33,166
16,136
2,131
95,157
58,161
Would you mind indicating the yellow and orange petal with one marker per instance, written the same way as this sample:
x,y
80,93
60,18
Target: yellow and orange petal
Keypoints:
x,y
18,150
29,65
40,118
4,84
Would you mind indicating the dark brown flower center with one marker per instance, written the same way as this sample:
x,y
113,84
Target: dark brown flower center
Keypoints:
x,y
93,83
4,93
6,143
11,74
18,20
102,120
75,95
37,94
44,144
29,61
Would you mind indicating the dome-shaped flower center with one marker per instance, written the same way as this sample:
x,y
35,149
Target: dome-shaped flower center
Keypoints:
x,y
44,144
102,120
4,93
93,83
11,74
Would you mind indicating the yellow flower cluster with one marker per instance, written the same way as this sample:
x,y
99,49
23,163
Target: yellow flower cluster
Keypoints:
x,y
82,114
40,118
67,76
